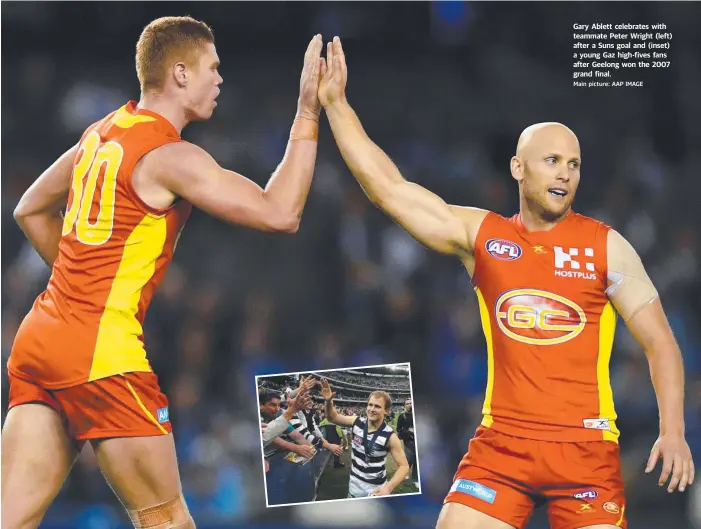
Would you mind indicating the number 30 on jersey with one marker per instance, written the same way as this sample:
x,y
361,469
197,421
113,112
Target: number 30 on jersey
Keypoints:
x,y
92,157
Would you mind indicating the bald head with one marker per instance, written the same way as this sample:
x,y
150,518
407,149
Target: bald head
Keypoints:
x,y
543,137
547,168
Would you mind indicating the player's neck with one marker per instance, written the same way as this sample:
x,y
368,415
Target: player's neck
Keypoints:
x,y
161,105
533,221
374,425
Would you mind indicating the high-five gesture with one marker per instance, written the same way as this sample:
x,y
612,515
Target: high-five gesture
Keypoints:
x,y
307,384
333,81
326,390
314,66
298,403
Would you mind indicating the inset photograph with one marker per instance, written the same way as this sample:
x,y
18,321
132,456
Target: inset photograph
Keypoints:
x,y
339,434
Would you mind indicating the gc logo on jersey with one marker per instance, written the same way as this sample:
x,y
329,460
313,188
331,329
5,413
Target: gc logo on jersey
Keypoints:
x,y
537,317
503,250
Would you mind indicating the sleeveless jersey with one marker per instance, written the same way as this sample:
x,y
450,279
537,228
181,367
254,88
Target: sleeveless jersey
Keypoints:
x,y
369,471
549,328
113,253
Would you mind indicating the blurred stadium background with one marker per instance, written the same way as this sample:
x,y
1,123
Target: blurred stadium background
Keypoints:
x,y
445,89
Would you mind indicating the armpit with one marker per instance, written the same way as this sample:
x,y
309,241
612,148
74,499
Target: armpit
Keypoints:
x,y
628,286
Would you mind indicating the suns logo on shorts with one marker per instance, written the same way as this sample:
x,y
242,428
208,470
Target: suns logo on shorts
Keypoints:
x,y
538,317
611,507
503,250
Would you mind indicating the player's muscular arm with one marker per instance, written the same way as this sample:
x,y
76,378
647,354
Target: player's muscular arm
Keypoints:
x,y
423,214
331,414
446,229
395,448
632,293
338,418
187,171
39,210
191,173
636,299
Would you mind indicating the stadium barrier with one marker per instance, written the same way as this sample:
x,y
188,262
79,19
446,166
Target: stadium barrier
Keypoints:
x,y
294,483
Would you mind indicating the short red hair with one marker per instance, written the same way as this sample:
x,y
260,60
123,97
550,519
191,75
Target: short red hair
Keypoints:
x,y
164,41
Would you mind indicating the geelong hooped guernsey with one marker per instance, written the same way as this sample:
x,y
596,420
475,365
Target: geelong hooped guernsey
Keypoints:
x,y
299,423
369,468
113,253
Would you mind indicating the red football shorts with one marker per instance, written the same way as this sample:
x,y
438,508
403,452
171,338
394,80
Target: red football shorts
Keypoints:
x,y
129,405
505,477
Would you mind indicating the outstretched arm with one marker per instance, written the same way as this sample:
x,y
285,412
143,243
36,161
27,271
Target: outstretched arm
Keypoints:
x,y
39,210
184,170
636,299
274,428
331,413
446,229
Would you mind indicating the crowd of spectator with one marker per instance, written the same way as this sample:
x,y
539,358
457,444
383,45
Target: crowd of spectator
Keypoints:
x,y
370,381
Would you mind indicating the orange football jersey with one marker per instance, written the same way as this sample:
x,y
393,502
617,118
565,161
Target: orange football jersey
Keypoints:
x,y
113,253
549,328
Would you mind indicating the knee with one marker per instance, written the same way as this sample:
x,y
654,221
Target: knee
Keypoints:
x,y
173,514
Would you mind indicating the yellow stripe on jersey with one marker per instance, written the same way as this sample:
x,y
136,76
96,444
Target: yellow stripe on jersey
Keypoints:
x,y
487,327
144,408
607,328
124,120
118,348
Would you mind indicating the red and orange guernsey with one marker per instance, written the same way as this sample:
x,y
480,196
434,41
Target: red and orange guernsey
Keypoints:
x,y
113,253
549,328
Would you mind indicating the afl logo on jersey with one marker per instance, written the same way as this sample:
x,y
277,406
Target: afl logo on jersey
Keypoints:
x,y
503,250
537,317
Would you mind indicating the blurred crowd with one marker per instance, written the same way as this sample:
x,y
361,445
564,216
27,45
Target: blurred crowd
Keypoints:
x,y
398,382
352,288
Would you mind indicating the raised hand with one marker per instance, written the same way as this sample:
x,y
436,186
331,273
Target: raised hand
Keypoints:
x,y
307,384
332,87
326,390
314,66
300,402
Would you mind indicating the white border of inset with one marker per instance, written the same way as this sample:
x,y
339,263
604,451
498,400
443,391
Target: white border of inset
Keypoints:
x,y
413,413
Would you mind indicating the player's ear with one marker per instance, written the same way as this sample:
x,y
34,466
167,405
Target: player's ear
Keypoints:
x,y
180,74
517,168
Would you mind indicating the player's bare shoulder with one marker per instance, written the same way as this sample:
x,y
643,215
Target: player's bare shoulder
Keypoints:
x,y
628,285
163,170
471,219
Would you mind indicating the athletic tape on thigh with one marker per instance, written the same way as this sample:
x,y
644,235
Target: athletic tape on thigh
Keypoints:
x,y
172,513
